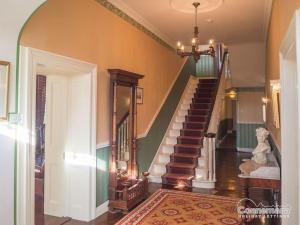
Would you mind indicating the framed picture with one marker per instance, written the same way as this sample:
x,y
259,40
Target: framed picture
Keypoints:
x,y
139,95
4,89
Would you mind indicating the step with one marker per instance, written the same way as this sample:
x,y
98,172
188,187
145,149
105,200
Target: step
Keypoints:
x,y
177,126
184,158
179,180
203,95
206,85
182,112
171,140
168,149
205,90
202,100
163,158
180,119
194,125
181,168
187,149
159,168
195,118
191,132
190,140
185,106
174,133
200,106
198,112
204,81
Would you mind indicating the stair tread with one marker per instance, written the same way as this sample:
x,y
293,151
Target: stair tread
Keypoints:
x,y
187,145
184,155
178,176
188,129
182,165
190,137
195,122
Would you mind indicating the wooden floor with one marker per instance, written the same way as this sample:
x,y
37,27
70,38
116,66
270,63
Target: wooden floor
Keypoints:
x,y
227,161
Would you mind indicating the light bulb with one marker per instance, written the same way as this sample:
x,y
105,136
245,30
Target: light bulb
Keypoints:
x,y
178,44
211,42
194,41
182,48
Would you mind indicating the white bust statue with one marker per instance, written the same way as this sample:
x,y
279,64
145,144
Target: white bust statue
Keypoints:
x,y
259,154
263,147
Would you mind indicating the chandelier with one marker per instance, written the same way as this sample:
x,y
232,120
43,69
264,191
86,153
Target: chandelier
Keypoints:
x,y
196,51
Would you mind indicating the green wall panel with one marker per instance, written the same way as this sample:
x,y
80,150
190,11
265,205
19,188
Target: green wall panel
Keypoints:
x,y
148,145
205,67
102,175
246,136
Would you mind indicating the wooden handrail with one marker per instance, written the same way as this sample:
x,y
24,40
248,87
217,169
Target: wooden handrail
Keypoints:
x,y
219,73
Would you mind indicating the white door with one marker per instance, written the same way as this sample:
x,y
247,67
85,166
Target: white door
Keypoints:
x,y
55,142
79,157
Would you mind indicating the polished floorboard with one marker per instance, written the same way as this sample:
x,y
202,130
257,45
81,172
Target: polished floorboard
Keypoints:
x,y
227,161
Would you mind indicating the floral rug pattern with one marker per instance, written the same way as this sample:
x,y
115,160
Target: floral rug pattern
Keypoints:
x,y
168,207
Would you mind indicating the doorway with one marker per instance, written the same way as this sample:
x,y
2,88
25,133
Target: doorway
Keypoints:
x,y
290,123
61,128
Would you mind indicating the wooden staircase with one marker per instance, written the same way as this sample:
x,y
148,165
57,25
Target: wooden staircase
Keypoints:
x,y
181,169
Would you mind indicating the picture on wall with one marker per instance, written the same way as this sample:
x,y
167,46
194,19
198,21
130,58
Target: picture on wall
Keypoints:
x,y
4,89
139,95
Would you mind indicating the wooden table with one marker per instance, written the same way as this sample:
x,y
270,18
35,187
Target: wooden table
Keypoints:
x,y
247,182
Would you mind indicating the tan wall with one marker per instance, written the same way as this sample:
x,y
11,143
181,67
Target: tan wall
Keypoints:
x,y
247,64
85,30
250,107
282,13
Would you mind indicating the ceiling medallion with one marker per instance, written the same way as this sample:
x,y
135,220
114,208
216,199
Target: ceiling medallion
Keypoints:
x,y
187,7
196,51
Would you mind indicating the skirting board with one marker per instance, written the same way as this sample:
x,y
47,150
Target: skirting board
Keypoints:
x,y
103,208
245,149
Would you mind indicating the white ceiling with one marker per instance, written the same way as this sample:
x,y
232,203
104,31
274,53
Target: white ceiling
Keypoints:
x,y
234,21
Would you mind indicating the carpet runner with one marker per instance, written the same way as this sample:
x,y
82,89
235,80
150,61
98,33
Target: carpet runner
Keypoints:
x,y
184,160
169,207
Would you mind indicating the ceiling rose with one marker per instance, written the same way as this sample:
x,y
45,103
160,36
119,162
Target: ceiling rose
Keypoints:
x,y
186,6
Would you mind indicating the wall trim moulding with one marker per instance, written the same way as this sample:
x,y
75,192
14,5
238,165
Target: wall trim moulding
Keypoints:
x,y
267,18
101,209
133,18
102,145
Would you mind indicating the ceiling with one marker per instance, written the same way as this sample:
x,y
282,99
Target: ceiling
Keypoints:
x,y
227,21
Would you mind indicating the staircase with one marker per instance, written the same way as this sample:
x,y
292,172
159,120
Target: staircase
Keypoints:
x,y
183,165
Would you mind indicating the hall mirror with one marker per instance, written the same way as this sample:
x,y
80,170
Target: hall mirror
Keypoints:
x,y
123,118
126,188
4,89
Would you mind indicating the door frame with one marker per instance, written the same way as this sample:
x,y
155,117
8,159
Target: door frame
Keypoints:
x,y
291,42
30,58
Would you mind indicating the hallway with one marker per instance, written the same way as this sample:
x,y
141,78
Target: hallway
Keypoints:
x,y
228,160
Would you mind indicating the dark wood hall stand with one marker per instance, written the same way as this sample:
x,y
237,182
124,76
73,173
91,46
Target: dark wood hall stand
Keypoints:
x,y
126,187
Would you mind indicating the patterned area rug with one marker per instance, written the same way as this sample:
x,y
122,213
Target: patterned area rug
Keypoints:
x,y
168,207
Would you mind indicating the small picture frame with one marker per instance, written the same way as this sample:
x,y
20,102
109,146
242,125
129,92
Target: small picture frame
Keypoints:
x,y
139,95
4,89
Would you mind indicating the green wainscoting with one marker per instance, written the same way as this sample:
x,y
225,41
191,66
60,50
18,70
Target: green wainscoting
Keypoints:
x,y
205,67
246,134
224,126
102,175
148,145
275,150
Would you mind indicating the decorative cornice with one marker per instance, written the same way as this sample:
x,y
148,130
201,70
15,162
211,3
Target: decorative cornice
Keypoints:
x,y
134,23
